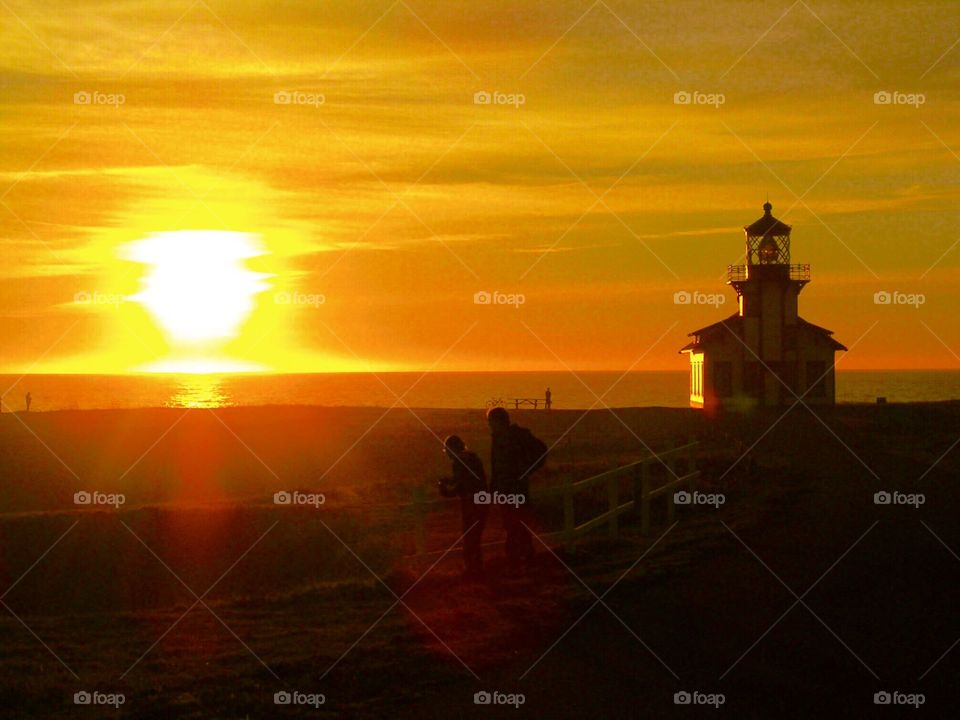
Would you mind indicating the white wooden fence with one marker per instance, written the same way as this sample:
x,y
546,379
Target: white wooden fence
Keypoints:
x,y
658,475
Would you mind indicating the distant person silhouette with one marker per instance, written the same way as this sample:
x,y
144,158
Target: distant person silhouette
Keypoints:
x,y
29,400
515,454
547,399
468,479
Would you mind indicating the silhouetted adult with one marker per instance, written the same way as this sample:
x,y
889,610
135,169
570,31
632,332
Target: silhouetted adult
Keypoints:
x,y
515,454
467,481
29,400
547,399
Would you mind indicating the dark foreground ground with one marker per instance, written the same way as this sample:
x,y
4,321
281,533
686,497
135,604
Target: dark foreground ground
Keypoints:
x,y
798,597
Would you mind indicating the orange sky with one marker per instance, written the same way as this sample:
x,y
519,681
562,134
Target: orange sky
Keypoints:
x,y
364,225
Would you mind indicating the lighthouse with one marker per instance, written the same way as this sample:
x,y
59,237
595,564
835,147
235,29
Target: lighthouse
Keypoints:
x,y
765,354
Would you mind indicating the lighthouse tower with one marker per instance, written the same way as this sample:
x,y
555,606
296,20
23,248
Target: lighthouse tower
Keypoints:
x,y
765,354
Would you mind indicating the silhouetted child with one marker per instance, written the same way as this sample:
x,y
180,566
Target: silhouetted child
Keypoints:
x,y
468,479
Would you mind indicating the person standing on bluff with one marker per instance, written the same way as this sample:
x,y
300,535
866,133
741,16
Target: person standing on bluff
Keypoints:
x,y
515,454
469,483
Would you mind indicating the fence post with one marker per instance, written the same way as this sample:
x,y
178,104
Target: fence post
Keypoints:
x,y
419,511
692,464
644,498
670,460
613,495
569,521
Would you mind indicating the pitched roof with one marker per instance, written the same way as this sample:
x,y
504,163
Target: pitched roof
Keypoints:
x,y
733,319
767,224
823,331
733,322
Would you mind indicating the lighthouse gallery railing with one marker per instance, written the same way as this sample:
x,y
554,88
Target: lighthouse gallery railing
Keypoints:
x,y
737,273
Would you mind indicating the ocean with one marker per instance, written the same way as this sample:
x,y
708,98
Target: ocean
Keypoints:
x,y
437,390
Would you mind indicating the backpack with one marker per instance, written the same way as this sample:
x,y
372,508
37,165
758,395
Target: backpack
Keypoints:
x,y
532,451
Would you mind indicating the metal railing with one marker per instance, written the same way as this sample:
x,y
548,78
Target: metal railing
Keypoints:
x,y
738,273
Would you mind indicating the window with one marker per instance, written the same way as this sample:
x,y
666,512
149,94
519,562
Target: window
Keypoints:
x,y
752,379
696,378
723,378
787,372
816,382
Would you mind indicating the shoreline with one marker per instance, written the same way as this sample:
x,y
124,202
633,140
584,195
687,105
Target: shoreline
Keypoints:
x,y
433,391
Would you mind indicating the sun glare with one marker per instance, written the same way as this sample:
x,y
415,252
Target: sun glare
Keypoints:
x,y
199,290
197,286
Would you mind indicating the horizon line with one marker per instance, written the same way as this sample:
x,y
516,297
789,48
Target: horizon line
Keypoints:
x,y
254,373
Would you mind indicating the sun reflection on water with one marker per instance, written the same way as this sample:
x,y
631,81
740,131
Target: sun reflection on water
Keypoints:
x,y
198,391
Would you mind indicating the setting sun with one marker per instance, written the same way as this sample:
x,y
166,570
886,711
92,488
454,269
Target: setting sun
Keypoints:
x,y
197,286
198,289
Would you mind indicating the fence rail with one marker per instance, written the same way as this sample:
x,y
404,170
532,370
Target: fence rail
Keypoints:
x,y
641,476
535,402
